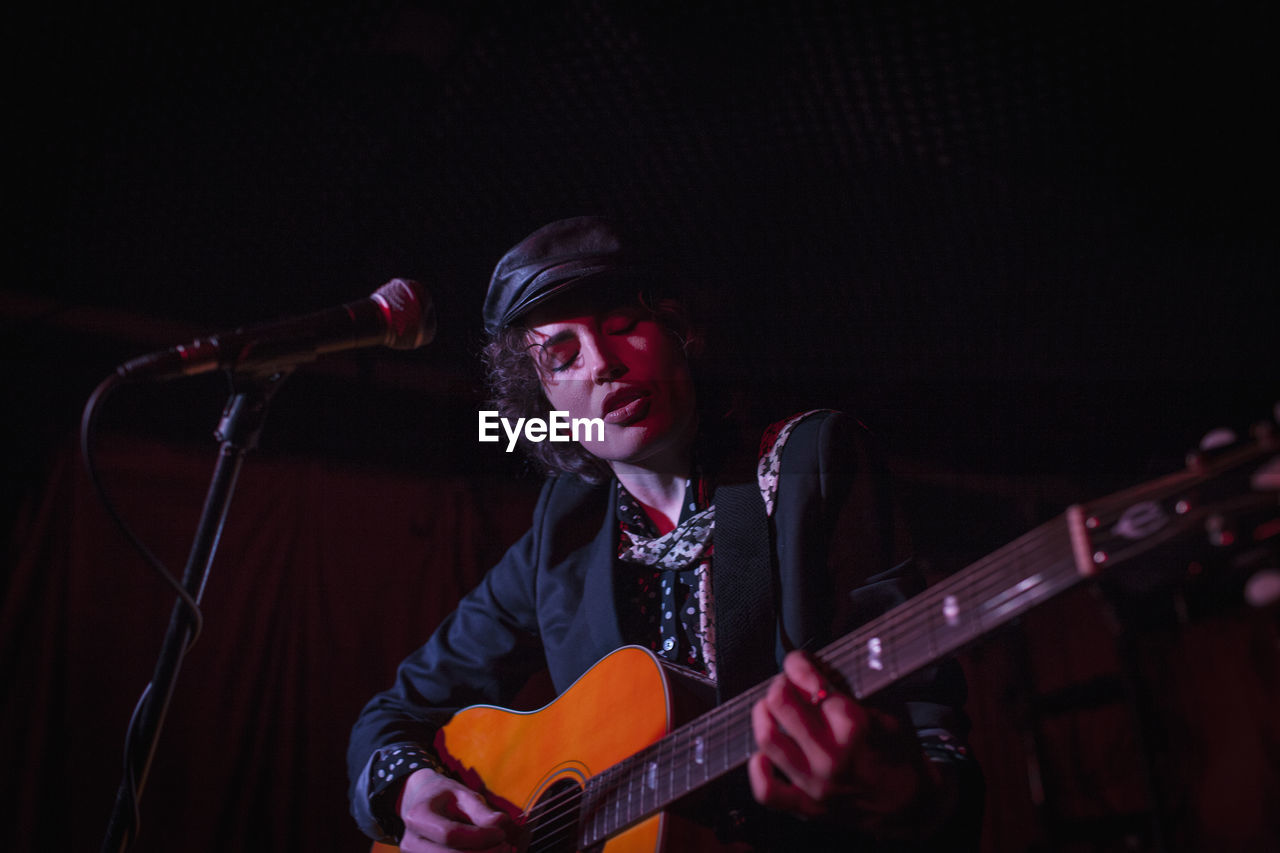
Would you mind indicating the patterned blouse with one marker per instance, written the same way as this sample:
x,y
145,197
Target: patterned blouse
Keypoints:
x,y
667,580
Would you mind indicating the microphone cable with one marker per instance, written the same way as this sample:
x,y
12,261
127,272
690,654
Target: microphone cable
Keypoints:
x,y
88,430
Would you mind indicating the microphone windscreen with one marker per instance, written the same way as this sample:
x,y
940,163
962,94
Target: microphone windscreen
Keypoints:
x,y
410,314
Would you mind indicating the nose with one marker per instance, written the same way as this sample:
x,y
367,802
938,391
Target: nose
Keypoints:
x,y
610,373
606,366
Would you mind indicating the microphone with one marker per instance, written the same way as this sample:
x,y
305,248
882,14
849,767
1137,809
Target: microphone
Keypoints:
x,y
398,315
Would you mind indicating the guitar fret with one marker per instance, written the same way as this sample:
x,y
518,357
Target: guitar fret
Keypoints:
x,y
944,614
584,810
675,764
696,765
631,786
697,760
853,677
636,777
713,737
649,779
597,805
679,762
599,822
684,761
648,793
726,740
617,810
653,773
872,667
951,623
613,819
744,742
662,780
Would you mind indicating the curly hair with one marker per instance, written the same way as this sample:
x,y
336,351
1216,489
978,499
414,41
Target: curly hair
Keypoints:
x,y
516,390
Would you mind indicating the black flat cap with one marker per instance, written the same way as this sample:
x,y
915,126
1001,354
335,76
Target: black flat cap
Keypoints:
x,y
550,261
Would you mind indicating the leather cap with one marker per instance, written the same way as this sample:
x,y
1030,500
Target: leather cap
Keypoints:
x,y
550,261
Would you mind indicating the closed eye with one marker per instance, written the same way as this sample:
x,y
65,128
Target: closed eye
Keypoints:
x,y
557,364
559,356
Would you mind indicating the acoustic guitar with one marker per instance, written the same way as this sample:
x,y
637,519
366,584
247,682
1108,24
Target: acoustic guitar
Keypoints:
x,y
600,767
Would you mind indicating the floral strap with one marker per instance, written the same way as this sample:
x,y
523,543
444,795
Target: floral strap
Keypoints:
x,y
770,465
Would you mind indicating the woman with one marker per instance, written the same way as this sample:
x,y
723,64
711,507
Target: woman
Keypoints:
x,y
620,552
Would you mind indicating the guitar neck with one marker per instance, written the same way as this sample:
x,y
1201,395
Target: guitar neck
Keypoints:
x,y
947,616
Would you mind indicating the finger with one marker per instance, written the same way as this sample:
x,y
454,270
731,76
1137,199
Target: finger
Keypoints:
x,y
842,718
772,736
846,720
476,809
819,746
810,751
801,671
792,706
447,820
772,791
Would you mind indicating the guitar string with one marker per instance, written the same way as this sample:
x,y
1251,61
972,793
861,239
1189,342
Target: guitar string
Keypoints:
x,y
922,639
978,578
991,597
979,585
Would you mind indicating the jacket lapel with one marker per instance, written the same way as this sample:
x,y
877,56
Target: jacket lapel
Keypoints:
x,y
598,590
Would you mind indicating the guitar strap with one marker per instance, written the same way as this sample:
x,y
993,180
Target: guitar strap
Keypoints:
x,y
744,574
742,581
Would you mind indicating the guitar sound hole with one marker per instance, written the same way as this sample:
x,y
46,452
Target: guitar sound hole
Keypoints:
x,y
553,821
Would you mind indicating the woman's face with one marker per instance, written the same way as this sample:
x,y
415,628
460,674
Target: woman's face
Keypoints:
x,y
622,366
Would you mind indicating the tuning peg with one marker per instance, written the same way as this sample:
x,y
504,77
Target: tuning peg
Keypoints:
x,y
1222,533
1263,588
1220,437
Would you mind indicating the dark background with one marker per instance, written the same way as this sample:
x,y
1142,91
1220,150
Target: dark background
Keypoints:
x,y
1033,248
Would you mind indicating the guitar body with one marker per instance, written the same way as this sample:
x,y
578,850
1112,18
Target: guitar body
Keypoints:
x,y
618,707
621,705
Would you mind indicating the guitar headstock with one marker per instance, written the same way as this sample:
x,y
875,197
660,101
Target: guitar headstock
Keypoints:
x,y
1217,518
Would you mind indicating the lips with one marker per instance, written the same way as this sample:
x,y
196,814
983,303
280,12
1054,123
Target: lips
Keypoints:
x,y
625,406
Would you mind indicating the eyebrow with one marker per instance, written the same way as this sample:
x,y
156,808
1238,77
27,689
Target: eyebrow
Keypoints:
x,y
558,337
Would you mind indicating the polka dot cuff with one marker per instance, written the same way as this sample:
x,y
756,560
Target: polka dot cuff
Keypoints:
x,y
391,766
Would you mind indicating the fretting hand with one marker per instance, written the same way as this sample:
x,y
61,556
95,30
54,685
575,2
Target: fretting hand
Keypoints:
x,y
822,754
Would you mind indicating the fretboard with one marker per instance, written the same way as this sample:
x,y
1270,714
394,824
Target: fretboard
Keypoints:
x,y
938,622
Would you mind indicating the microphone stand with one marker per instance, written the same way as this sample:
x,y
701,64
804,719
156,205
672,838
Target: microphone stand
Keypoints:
x,y
238,430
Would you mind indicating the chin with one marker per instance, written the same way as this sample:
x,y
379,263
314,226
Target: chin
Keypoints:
x,y
636,448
